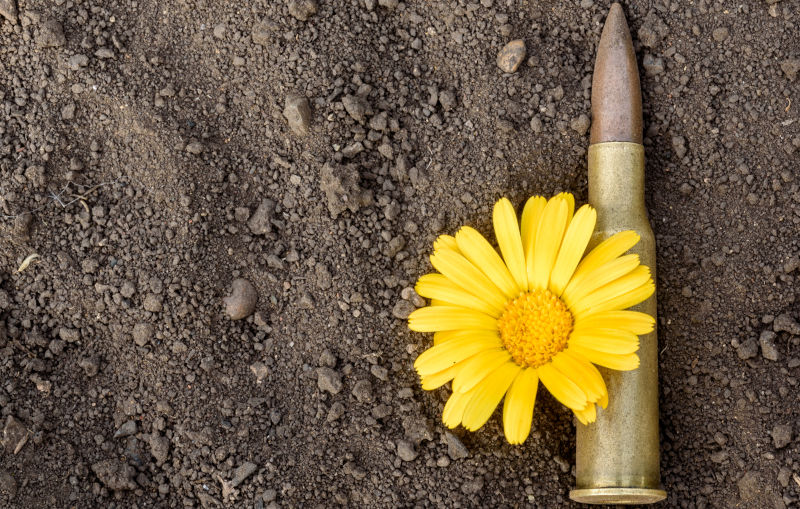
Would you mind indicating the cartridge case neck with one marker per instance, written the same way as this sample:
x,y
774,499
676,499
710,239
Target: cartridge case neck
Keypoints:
x,y
616,180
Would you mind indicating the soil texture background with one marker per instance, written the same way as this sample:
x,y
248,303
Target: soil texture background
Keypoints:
x,y
154,152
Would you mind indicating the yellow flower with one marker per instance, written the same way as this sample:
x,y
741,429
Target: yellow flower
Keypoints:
x,y
541,312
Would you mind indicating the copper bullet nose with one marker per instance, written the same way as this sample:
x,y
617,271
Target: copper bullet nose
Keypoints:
x,y
616,96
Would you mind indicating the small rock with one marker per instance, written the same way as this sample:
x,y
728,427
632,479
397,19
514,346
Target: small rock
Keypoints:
x,y
297,113
767,342
219,30
7,483
402,309
244,471
447,99
748,349
652,65
511,56
335,412
69,335
22,226
159,447
339,184
327,359
77,62
790,67
406,450
51,34
260,222
362,390
379,122
126,430
8,9
194,147
581,124
90,366
262,33
379,372
679,146
785,323
389,4
142,333
104,53
152,303
455,447
357,107
749,486
15,435
115,475
302,9
260,370
781,435
720,34
329,380
242,299
417,429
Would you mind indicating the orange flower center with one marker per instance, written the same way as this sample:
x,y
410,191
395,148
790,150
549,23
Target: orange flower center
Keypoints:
x,y
534,327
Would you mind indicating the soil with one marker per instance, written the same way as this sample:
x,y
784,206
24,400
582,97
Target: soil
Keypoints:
x,y
152,152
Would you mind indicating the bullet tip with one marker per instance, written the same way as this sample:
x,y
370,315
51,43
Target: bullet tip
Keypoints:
x,y
616,96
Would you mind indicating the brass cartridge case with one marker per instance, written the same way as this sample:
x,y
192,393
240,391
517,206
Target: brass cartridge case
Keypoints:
x,y
617,457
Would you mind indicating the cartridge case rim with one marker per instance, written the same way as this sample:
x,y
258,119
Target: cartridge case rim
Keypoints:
x,y
617,495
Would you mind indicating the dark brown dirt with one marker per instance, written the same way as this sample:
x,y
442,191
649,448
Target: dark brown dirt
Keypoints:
x,y
137,139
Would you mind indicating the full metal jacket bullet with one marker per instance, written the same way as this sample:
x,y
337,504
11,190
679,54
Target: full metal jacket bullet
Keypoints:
x,y
617,457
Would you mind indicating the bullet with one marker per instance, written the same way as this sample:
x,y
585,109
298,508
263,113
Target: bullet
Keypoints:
x,y
617,457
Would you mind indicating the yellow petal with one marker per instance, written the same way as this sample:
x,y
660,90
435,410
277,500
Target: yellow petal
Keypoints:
x,y
579,287
606,340
438,318
445,242
487,395
582,373
574,245
438,287
446,335
446,355
549,235
623,301
479,367
607,250
506,230
518,406
620,286
477,250
464,274
436,380
587,415
561,387
570,199
625,362
631,321
454,408
529,223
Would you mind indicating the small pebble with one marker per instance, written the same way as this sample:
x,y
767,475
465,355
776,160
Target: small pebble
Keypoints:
x,y
302,9
297,113
511,56
241,302
406,450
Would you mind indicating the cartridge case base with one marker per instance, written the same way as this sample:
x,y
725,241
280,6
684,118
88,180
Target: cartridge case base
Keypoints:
x,y
617,495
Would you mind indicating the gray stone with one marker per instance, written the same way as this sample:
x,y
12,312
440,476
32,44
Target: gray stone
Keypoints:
x,y
786,323
90,366
115,475
581,124
402,309
7,484
781,435
511,56
8,9
244,471
340,186
790,67
69,335
260,371
329,380
194,147
417,429
749,486
302,9
262,33
126,430
362,390
447,99
260,222
767,342
406,450
241,302
653,66
297,113
159,447
152,303
748,349
720,34
455,447
357,107
77,62
15,435
51,34
143,333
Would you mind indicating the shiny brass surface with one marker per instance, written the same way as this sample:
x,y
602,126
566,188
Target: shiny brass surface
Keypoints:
x,y
617,457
